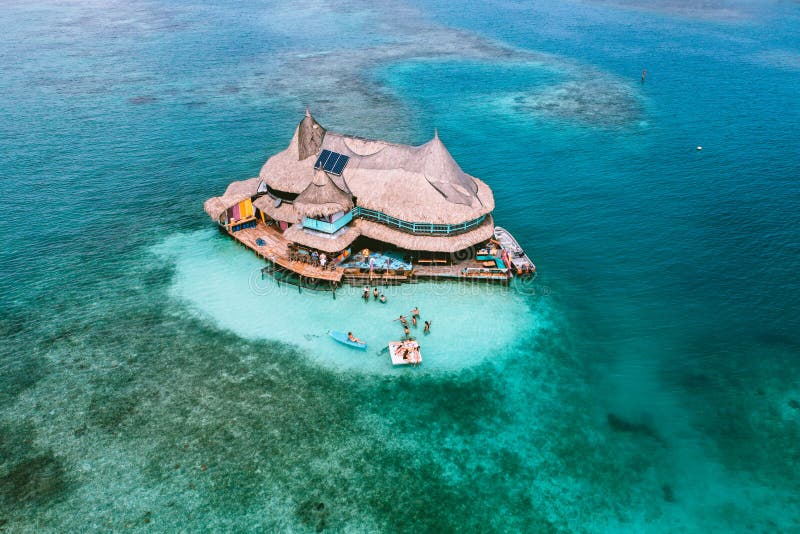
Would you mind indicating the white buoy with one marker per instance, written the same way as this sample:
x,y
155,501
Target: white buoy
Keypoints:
x,y
699,148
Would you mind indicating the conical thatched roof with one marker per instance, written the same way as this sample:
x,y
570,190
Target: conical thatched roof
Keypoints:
x,y
413,183
309,136
322,198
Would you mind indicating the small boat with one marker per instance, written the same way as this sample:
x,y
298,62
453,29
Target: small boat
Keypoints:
x,y
342,338
405,352
519,260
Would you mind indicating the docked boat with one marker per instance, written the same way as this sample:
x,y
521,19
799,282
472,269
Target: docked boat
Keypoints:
x,y
519,260
342,338
405,352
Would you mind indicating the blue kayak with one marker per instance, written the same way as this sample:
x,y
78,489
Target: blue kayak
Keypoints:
x,y
342,338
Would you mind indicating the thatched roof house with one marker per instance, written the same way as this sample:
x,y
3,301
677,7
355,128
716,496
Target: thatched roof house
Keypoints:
x,y
413,183
326,189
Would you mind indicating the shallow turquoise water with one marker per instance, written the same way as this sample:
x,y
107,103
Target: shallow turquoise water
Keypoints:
x,y
645,381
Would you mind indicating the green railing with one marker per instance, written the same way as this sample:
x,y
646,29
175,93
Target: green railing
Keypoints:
x,y
324,226
417,227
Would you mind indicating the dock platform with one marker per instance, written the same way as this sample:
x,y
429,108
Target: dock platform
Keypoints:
x,y
276,251
268,243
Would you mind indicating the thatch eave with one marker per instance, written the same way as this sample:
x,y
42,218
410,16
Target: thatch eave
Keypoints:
x,y
284,212
236,192
300,236
406,241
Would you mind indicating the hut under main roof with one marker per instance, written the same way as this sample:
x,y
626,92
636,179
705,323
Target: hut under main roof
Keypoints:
x,y
412,197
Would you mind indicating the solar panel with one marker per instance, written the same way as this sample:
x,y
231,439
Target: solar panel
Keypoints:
x,y
321,159
338,167
331,162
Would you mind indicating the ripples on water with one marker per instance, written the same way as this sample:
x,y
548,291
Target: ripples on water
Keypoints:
x,y
646,381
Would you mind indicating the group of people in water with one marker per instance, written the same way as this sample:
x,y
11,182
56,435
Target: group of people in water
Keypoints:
x,y
377,295
414,321
406,351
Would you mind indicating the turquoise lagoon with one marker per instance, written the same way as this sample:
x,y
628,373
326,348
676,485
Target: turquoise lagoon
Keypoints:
x,y
645,381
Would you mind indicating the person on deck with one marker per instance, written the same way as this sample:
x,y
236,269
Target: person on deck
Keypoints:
x,y
323,259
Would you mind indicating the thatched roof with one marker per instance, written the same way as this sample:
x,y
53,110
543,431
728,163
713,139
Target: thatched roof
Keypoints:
x,y
284,212
322,198
413,183
309,136
297,234
407,241
235,193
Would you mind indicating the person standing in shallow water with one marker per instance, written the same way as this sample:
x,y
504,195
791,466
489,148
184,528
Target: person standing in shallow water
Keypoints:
x,y
427,328
375,293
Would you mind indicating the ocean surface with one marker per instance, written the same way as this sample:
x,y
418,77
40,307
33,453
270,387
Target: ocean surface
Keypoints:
x,y
647,380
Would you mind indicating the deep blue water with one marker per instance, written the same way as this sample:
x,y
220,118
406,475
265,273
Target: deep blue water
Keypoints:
x,y
659,392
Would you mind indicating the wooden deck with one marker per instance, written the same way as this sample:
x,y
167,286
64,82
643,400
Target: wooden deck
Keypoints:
x,y
276,251
456,271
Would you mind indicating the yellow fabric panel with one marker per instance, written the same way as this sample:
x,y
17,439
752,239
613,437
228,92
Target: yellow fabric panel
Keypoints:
x,y
246,208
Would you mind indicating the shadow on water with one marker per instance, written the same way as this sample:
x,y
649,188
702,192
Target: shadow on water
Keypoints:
x,y
29,476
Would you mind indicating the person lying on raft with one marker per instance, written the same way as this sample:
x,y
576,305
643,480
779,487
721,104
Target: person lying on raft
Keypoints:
x,y
353,338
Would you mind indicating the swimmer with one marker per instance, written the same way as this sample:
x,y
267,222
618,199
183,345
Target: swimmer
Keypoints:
x,y
427,329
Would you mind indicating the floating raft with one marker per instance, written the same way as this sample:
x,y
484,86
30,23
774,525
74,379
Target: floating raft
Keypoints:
x,y
409,349
521,262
